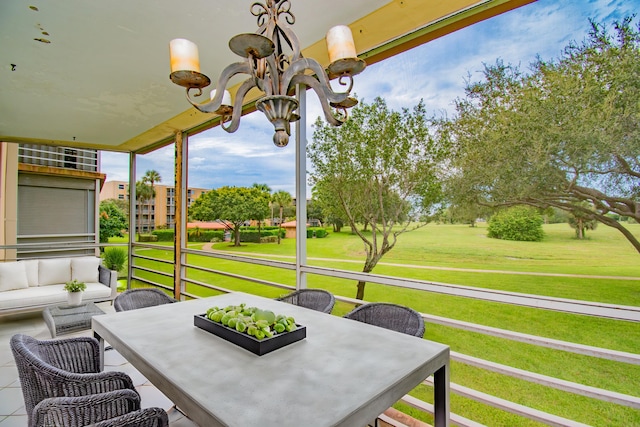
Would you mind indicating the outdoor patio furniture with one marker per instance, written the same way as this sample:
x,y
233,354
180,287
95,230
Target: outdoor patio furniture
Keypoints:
x,y
64,319
315,299
155,341
391,316
133,299
120,408
62,368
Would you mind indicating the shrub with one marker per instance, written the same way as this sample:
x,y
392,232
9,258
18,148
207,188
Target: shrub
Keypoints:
x,y
269,239
321,232
115,258
520,223
148,238
163,235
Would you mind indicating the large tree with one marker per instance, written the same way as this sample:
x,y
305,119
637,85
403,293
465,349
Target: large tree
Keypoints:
x,y
112,220
565,135
382,168
235,205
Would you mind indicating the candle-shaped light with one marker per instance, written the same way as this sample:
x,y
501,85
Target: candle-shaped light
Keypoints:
x,y
226,97
340,43
184,55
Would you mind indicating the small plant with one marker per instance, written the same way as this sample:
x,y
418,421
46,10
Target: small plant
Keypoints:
x,y
75,286
115,258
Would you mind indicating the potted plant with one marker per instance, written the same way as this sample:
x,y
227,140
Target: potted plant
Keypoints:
x,y
114,258
74,292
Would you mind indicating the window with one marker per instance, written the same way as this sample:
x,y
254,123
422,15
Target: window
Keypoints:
x,y
120,186
121,196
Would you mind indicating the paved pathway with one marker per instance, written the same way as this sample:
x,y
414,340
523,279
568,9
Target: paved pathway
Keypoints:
x,y
209,247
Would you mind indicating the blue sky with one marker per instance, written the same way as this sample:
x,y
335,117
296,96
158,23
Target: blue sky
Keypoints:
x,y
435,72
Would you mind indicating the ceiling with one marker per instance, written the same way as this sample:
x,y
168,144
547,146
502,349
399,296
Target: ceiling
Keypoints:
x,y
95,74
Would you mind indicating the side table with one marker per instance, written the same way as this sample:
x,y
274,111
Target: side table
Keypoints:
x,y
63,319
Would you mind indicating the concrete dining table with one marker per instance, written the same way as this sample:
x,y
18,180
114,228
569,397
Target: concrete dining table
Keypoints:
x,y
343,373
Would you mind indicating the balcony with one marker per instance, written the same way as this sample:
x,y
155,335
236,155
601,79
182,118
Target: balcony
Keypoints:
x,y
124,107
152,265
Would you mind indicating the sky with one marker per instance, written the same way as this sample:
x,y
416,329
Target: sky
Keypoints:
x,y
436,72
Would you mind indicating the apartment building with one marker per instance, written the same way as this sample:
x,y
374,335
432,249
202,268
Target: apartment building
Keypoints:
x,y
151,214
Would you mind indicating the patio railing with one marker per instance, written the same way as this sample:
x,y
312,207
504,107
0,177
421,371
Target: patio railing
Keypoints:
x,y
152,270
193,287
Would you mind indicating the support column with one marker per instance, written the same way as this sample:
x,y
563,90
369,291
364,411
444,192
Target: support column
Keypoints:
x,y
301,187
9,200
180,224
132,215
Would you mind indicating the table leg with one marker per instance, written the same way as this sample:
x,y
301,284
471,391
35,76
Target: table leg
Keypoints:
x,y
441,396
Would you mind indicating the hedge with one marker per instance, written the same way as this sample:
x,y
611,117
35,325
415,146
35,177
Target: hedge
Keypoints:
x,y
192,235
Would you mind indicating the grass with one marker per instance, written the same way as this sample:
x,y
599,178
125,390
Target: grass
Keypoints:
x,y
605,253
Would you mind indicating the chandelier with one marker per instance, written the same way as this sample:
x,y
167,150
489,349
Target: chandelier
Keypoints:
x,y
275,65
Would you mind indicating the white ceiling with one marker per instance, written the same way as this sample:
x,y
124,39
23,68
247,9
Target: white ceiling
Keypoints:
x,y
103,78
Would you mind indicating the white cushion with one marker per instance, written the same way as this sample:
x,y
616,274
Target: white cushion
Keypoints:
x,y
85,269
31,266
49,295
13,275
54,271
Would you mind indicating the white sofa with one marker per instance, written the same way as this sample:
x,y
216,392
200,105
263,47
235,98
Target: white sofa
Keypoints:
x,y
35,284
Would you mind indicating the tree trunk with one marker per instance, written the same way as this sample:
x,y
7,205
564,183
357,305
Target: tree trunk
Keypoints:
x,y
236,236
360,292
280,224
259,224
580,229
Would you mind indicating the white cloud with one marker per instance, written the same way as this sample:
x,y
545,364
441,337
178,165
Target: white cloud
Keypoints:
x,y
435,72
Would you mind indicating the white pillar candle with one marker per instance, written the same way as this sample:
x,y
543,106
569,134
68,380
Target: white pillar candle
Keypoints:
x,y
184,55
226,97
340,43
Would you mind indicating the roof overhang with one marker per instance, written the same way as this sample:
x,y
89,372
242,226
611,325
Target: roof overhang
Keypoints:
x,y
102,79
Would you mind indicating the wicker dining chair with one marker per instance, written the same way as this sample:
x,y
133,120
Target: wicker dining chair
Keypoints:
x,y
62,368
120,408
133,299
390,316
315,299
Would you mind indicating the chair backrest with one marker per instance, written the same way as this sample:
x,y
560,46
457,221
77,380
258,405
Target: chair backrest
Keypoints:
x,y
390,316
141,297
41,364
315,299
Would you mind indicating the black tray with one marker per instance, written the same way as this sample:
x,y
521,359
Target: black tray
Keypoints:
x,y
246,341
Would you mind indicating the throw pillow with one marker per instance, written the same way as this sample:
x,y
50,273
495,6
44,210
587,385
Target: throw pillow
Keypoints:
x,y
13,275
85,269
54,271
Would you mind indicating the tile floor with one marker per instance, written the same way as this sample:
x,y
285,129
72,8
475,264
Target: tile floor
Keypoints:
x,y
12,411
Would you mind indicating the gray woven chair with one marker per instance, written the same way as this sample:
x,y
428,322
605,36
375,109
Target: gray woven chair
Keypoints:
x,y
120,408
315,299
390,316
133,299
62,368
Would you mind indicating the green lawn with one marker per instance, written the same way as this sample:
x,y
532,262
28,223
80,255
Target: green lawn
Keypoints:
x,y
605,253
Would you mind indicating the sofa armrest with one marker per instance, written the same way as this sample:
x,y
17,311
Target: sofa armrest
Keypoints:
x,y
109,278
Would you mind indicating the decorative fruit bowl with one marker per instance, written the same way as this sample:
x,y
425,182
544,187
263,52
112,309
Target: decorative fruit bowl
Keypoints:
x,y
256,330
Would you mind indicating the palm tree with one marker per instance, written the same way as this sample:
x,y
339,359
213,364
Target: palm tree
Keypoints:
x,y
265,189
151,177
143,192
282,199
